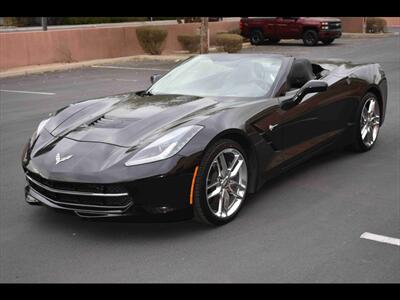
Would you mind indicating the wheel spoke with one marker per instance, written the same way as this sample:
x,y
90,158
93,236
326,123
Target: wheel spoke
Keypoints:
x,y
216,162
364,115
375,132
223,165
215,192
220,204
236,195
236,170
369,135
364,131
235,160
242,186
226,201
371,107
213,185
375,120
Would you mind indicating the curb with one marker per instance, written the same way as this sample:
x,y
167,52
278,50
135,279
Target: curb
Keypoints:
x,y
75,65
348,35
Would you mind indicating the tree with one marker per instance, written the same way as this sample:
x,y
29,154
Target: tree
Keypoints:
x,y
204,39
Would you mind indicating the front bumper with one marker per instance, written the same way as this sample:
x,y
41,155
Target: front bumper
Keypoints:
x,y
330,34
153,199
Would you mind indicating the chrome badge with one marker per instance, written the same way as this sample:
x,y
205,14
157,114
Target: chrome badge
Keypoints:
x,y
61,159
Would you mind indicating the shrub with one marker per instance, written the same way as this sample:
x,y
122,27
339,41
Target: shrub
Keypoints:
x,y
151,38
190,43
234,31
375,25
22,21
231,43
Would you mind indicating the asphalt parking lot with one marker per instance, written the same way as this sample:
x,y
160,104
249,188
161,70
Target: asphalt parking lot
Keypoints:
x,y
304,226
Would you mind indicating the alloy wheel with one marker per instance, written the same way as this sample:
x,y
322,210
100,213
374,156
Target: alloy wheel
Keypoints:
x,y
370,122
226,183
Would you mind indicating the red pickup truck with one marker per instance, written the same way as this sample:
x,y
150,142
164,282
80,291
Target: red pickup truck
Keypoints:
x,y
273,29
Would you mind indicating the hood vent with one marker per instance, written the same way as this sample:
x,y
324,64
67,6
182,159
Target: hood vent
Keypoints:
x,y
107,122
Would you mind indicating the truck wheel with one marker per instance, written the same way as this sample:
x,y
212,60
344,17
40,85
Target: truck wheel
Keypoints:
x,y
256,37
328,41
310,37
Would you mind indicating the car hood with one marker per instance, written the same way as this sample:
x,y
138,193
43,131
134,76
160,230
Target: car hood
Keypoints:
x,y
324,19
129,120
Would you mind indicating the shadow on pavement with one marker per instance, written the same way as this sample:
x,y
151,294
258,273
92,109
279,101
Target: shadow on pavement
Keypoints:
x,y
295,43
291,174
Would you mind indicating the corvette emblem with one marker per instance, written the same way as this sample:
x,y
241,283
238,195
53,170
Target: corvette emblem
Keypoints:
x,y
271,127
61,159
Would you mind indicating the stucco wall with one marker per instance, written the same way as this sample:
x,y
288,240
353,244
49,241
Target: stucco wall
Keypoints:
x,y
19,49
352,24
392,21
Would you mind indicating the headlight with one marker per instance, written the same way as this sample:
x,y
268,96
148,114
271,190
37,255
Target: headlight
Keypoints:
x,y
164,147
39,129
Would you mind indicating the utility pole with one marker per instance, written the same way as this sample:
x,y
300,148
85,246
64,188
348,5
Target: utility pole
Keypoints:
x,y
204,35
44,23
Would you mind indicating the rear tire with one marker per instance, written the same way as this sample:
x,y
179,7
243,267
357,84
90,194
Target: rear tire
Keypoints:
x,y
328,42
310,37
367,124
230,192
256,37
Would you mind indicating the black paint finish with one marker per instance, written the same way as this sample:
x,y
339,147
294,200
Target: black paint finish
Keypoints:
x,y
102,134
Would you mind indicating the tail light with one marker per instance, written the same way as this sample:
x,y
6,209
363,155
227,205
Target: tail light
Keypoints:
x,y
241,24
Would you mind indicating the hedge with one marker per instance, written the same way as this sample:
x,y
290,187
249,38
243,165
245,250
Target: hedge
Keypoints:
x,y
375,25
190,43
151,38
230,43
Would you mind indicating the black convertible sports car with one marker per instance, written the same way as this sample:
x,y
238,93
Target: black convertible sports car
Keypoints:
x,y
202,137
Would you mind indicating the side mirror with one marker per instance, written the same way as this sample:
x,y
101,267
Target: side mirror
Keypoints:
x,y
312,86
154,78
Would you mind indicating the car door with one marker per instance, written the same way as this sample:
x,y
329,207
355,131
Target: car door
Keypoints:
x,y
289,132
317,120
269,27
287,28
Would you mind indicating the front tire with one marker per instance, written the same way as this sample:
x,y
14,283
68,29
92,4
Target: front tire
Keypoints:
x,y
328,42
310,37
221,183
367,123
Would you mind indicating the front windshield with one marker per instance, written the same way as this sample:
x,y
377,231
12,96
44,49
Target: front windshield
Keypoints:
x,y
220,75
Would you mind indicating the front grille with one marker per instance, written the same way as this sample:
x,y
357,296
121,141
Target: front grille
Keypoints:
x,y
335,25
77,186
57,192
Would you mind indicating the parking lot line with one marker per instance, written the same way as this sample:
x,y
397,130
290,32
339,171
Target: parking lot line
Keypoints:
x,y
121,79
28,92
380,238
129,68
